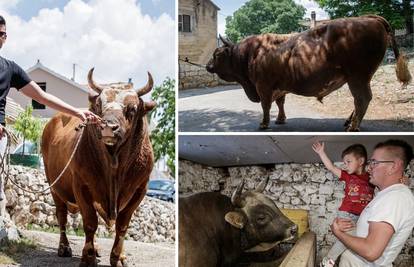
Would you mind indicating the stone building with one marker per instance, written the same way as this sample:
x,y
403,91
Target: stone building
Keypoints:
x,y
197,27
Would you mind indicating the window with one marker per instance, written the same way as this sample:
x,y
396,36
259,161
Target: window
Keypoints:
x,y
184,23
35,104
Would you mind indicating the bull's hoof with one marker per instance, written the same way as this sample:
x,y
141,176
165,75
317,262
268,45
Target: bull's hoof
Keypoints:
x,y
280,121
346,123
264,126
351,129
64,251
119,263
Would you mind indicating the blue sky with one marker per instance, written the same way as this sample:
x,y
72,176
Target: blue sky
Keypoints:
x,y
227,8
121,38
26,9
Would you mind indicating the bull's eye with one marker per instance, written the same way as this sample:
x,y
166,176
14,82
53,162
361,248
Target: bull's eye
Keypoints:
x,y
261,219
130,111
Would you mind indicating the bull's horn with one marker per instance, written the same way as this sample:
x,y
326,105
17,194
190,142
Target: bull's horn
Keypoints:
x,y
261,187
236,199
225,42
94,86
147,87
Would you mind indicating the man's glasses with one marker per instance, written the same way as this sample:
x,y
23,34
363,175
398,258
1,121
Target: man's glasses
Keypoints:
x,y
374,162
3,34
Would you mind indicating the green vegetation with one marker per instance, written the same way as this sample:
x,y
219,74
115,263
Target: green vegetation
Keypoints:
x,y
163,136
56,230
10,251
398,12
28,127
264,16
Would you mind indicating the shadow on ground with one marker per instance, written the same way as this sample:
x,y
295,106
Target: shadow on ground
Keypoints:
x,y
206,91
205,120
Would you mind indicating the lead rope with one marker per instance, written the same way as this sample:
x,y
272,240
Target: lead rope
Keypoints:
x,y
6,157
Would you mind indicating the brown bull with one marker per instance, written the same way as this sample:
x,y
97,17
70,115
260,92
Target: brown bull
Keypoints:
x,y
312,63
109,172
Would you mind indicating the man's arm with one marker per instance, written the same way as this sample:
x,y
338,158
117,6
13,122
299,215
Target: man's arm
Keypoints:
x,y
319,148
370,247
33,91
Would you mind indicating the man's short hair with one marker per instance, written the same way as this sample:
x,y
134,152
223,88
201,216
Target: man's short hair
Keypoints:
x,y
2,20
399,149
358,150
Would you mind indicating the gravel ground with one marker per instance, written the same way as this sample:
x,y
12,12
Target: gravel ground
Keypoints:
x,y
138,253
389,100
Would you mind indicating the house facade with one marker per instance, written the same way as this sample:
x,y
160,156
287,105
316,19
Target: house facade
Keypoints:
x,y
55,84
197,27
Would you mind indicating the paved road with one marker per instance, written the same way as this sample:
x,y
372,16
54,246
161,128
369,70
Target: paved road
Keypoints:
x,y
138,253
228,109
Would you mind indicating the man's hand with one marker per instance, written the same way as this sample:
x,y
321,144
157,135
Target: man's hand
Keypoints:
x,y
2,133
88,116
318,147
342,225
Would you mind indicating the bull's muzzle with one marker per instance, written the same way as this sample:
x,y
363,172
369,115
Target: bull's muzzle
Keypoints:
x,y
210,67
110,134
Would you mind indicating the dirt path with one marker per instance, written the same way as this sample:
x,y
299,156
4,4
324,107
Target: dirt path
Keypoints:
x,y
138,254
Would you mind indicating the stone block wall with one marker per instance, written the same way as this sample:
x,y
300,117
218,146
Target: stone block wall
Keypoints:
x,y
153,221
191,76
297,186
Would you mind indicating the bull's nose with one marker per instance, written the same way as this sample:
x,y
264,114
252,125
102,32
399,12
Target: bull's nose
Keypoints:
x,y
114,127
294,230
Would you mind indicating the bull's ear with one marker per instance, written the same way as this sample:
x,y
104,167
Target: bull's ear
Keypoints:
x,y
148,106
235,218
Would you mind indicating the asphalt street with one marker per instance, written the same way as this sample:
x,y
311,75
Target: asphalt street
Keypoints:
x,y
227,109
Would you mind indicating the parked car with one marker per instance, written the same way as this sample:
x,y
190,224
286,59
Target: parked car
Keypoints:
x,y
161,189
30,157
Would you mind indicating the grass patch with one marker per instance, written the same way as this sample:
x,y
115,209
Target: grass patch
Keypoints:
x,y
10,251
56,230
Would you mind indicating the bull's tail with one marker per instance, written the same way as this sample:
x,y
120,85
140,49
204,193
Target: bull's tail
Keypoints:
x,y
403,74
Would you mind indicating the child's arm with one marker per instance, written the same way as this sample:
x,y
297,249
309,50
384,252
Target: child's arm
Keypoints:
x,y
319,149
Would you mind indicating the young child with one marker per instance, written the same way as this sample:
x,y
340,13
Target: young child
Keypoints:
x,y
358,191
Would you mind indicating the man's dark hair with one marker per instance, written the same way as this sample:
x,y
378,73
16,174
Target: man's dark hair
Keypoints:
x,y
403,150
358,150
2,20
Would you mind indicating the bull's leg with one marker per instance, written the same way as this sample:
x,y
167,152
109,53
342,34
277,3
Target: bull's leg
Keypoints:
x,y
266,101
361,91
90,224
281,116
64,249
118,259
348,121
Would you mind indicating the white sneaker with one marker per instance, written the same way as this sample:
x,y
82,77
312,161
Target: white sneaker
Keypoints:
x,y
327,262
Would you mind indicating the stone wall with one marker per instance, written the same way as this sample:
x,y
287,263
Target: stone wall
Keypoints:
x,y
154,220
191,76
298,186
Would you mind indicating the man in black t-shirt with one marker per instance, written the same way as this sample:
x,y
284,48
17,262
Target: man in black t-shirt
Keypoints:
x,y
11,75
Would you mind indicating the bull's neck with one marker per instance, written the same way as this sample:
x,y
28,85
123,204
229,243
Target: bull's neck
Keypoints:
x,y
126,151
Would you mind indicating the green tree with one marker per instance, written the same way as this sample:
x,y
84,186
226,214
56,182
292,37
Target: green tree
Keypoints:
x,y
398,12
29,127
163,136
264,16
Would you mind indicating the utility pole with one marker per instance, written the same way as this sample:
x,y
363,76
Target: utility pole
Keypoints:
x,y
74,71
